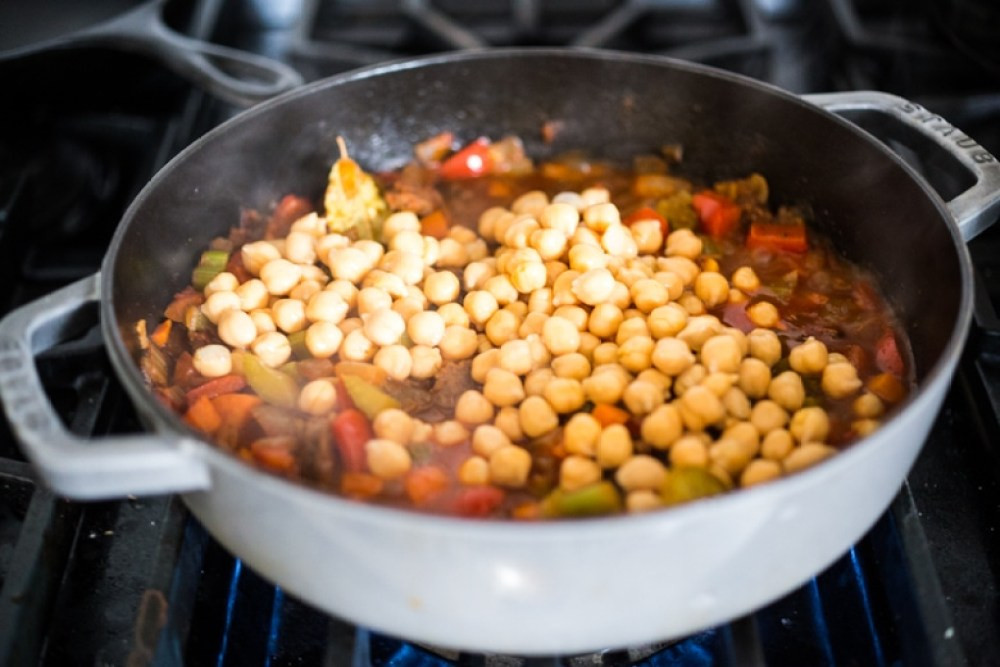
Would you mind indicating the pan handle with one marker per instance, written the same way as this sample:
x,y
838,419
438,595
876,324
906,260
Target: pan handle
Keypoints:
x,y
975,209
238,77
80,468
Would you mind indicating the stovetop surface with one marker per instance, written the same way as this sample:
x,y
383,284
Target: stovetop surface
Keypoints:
x,y
139,582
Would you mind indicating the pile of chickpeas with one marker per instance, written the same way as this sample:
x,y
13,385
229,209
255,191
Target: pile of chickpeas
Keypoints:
x,y
571,308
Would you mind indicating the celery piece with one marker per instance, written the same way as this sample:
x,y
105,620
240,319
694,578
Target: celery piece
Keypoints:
x,y
592,500
367,397
272,385
298,342
685,484
211,264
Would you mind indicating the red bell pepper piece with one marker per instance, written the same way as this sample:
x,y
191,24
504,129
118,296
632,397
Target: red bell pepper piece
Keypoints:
x,y
647,213
717,213
472,161
887,356
478,501
227,384
351,431
777,236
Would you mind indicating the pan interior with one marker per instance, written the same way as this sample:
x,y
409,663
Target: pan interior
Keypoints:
x,y
26,24
609,104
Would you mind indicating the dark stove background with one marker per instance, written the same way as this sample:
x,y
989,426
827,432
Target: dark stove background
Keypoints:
x,y
138,582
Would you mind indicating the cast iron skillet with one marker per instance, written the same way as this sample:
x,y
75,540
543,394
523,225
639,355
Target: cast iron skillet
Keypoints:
x,y
30,27
559,587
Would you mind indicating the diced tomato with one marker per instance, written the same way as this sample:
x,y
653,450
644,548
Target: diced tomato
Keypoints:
x,y
478,501
203,416
275,452
472,161
607,414
423,483
351,431
360,485
887,356
717,213
647,213
288,210
227,384
435,224
777,236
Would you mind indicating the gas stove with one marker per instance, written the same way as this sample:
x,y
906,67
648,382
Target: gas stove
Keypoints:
x,y
139,581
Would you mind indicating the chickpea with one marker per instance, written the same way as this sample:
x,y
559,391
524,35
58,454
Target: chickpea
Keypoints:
x,y
662,427
387,459
565,395
763,314
588,343
474,471
399,221
672,356
614,446
576,472
533,323
223,281
641,472
389,283
673,282
213,361
620,296
648,236
384,326
508,420
636,353
426,361
318,397
562,288
736,403
691,377
395,360
776,444
347,290
442,287
454,314
323,339
350,324
488,218
809,358
452,254
476,274
349,264
787,390
630,328
689,451
643,500
560,216
252,295
682,267
394,424
236,328
536,381
289,315
218,303
256,254
683,243
473,408
515,356
550,243
648,294
300,247
487,439
868,406
765,345
594,195
532,202
712,288
458,343
617,241
537,416
865,427
810,424
840,380
700,408
641,397
406,265
357,347
426,328
718,383
745,279
450,433
560,336
721,354
699,329
605,353
605,387
604,320
509,466
691,304
327,243
326,306
760,471
574,365
667,320
502,289
373,250
272,348
730,454
594,286
806,455
754,377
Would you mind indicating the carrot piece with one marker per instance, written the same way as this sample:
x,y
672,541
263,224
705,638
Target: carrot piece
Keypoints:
x,y
351,431
607,414
275,452
422,484
718,214
203,416
777,236
435,224
360,485
478,501
887,386
227,384
235,409
161,334
647,213
527,512
367,372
